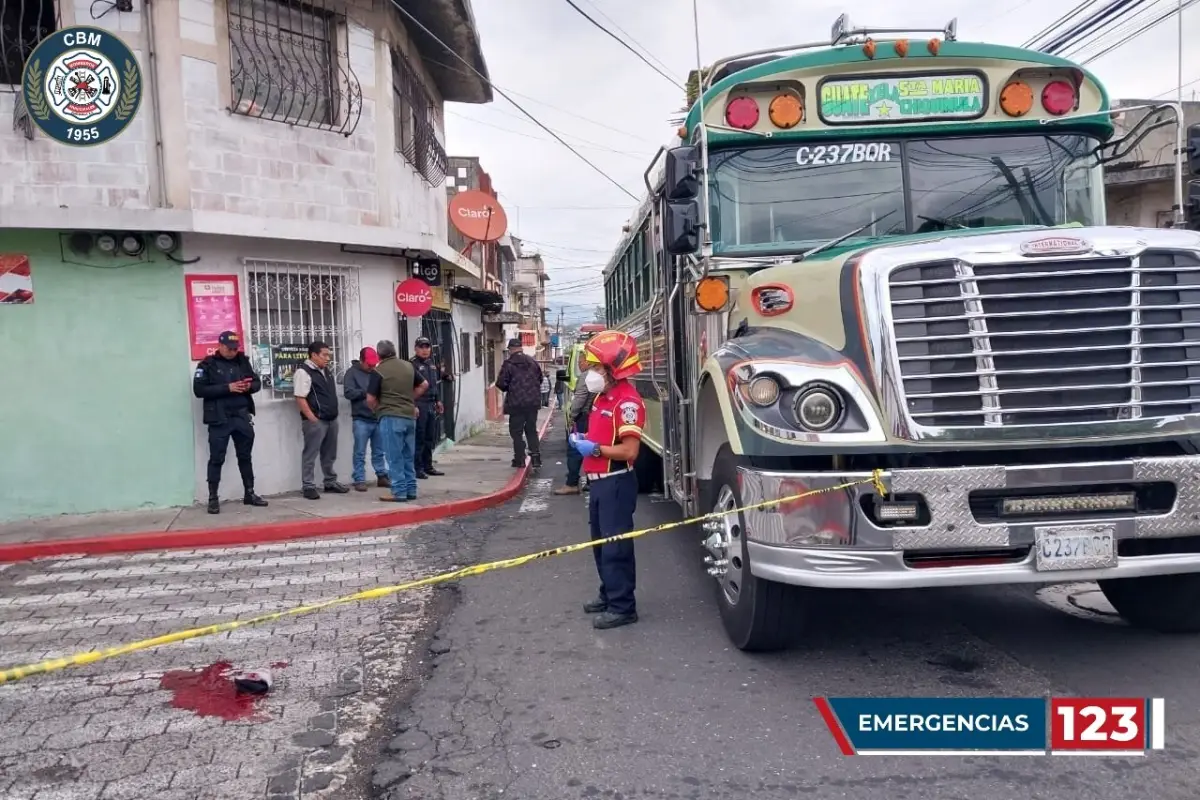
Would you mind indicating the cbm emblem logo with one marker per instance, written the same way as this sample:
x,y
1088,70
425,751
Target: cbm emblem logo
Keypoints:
x,y
82,86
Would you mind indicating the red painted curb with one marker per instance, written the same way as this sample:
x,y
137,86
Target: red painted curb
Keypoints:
x,y
262,534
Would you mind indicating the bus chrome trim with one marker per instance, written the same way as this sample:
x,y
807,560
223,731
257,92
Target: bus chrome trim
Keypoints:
x,y
839,520
857,569
795,375
876,266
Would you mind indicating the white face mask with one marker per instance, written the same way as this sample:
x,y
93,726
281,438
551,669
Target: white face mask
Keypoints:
x,y
594,381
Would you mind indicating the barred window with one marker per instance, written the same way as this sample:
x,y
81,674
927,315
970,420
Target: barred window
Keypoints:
x,y
288,64
479,349
23,24
290,305
464,345
416,123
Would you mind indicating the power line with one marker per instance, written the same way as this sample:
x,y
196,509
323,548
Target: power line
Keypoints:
x,y
624,44
584,142
536,101
515,104
1074,12
1153,24
629,36
1111,31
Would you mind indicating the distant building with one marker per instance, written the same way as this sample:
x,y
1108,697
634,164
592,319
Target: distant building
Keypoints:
x,y
1140,186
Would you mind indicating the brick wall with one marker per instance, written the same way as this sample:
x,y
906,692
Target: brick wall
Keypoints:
x,y
230,162
43,172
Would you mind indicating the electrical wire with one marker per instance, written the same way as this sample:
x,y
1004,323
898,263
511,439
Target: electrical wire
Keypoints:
x,y
629,36
1064,19
536,101
581,143
1077,32
408,15
624,44
1148,26
1107,29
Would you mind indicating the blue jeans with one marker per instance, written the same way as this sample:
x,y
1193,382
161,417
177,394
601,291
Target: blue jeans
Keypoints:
x,y
399,442
367,430
574,459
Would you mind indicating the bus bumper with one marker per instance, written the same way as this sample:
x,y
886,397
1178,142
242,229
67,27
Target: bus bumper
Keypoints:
x,y
977,525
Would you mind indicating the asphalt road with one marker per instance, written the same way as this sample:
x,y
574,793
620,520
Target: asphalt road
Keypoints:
x,y
528,701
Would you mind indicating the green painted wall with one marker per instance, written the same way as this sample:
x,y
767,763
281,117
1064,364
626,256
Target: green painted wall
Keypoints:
x,y
95,391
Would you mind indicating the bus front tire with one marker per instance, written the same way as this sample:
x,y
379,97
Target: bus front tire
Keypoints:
x,y
1163,603
761,615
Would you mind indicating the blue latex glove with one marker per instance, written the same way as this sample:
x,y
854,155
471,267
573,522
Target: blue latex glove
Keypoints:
x,y
582,445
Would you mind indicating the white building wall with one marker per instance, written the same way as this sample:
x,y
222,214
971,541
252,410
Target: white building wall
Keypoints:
x,y
470,410
277,440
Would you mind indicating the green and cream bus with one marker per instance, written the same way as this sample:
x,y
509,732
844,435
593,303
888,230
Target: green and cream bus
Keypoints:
x,y
889,252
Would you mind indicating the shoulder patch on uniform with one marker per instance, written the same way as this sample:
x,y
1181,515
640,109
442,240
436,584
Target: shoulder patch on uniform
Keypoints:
x,y
200,373
629,412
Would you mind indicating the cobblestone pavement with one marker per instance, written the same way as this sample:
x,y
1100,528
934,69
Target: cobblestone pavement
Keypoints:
x,y
109,731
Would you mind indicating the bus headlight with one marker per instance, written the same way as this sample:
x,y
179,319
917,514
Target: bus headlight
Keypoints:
x,y
819,408
763,391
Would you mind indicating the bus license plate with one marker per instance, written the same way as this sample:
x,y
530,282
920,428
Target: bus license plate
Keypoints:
x,y
1075,547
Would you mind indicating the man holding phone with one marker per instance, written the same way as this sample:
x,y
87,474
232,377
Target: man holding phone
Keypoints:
x,y
225,382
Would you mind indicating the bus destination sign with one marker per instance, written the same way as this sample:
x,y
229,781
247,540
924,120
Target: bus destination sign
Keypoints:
x,y
902,98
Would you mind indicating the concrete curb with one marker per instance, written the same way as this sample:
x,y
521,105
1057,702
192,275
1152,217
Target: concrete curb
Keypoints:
x,y
263,534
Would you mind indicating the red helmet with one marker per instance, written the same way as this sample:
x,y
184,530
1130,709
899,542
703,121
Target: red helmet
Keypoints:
x,y
616,350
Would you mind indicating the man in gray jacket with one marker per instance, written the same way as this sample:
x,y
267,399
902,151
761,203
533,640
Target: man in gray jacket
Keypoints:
x,y
366,425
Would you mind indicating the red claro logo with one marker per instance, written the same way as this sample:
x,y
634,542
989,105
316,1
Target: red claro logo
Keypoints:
x,y
413,297
1055,246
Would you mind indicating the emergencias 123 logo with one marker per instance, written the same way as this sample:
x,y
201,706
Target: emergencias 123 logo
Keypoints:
x,y
82,86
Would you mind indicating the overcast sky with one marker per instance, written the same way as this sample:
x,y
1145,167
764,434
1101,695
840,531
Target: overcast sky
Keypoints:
x,y
614,109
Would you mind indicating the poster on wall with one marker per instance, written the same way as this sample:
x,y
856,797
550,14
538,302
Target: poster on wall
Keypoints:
x,y
16,279
214,305
285,360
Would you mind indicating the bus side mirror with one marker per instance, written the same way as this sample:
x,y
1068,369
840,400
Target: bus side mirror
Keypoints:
x,y
1191,207
1193,149
681,226
682,173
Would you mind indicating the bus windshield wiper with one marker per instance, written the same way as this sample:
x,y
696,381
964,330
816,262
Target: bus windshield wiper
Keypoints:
x,y
1019,195
945,223
842,238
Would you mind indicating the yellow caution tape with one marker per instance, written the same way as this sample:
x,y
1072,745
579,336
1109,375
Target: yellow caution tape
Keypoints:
x,y
82,659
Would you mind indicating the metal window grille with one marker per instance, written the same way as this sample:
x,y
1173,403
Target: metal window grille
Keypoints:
x,y
289,303
23,24
464,347
479,349
416,123
288,63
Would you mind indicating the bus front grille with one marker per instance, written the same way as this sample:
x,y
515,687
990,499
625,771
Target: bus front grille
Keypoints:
x,y
1049,341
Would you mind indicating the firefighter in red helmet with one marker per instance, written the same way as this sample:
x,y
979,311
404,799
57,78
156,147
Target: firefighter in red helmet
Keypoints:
x,y
609,449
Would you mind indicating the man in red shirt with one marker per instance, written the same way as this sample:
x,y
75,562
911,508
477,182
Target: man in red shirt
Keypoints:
x,y
609,449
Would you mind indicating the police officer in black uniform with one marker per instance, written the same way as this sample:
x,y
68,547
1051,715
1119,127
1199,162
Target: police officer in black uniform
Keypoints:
x,y
429,409
225,382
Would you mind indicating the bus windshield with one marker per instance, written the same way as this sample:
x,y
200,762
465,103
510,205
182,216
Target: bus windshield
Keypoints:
x,y
782,199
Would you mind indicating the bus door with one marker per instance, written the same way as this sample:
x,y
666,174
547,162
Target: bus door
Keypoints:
x,y
679,475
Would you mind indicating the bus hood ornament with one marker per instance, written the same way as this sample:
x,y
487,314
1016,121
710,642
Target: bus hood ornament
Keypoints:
x,y
1055,246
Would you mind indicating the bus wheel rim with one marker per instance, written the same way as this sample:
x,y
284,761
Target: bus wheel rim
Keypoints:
x,y
726,548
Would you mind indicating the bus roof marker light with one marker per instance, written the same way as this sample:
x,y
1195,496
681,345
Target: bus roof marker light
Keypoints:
x,y
1016,98
742,113
869,48
901,47
786,111
933,46
1058,98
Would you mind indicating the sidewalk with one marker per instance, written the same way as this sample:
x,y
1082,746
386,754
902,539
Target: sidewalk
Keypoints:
x,y
478,475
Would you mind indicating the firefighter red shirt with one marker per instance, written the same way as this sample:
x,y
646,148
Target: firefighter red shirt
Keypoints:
x,y
616,414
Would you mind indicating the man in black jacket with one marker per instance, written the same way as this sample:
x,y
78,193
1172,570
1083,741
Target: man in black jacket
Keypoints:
x,y
225,382
429,408
520,379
